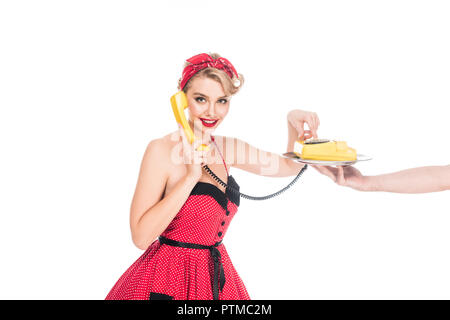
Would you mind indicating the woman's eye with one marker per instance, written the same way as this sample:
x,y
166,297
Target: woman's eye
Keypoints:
x,y
200,99
223,101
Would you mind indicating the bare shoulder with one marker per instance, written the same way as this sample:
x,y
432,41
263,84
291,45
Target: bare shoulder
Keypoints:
x,y
158,149
155,169
162,145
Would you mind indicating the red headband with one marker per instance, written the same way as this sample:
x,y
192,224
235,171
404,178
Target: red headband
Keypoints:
x,y
202,61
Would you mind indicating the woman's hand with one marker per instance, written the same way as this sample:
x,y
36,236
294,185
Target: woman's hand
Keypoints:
x,y
193,159
347,176
297,118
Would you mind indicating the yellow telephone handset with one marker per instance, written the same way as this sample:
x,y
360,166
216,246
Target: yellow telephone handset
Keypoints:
x,y
179,103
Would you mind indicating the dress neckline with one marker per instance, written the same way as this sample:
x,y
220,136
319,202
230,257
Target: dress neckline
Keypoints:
x,y
224,193
222,198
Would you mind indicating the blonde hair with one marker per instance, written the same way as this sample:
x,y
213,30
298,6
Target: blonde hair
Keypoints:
x,y
230,86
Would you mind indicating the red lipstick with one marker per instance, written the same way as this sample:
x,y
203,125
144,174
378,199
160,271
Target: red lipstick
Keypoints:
x,y
209,122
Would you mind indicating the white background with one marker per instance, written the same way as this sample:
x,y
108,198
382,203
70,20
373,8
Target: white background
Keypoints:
x,y
85,85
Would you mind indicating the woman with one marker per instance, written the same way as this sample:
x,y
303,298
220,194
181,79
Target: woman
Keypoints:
x,y
179,214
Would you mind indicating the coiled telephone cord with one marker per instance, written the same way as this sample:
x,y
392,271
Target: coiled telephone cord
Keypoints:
x,y
215,177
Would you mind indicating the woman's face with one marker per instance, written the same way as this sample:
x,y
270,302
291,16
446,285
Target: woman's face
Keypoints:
x,y
208,105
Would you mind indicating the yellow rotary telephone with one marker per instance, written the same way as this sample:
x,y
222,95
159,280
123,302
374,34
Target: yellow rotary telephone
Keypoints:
x,y
325,150
179,103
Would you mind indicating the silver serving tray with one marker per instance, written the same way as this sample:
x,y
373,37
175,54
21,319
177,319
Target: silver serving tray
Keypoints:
x,y
294,157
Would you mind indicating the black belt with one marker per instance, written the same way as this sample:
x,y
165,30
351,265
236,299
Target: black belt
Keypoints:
x,y
215,254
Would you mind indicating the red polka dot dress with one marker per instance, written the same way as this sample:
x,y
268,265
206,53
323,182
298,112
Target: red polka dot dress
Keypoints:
x,y
189,261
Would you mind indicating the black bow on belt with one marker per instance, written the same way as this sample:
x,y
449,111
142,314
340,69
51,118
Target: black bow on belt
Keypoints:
x,y
219,274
